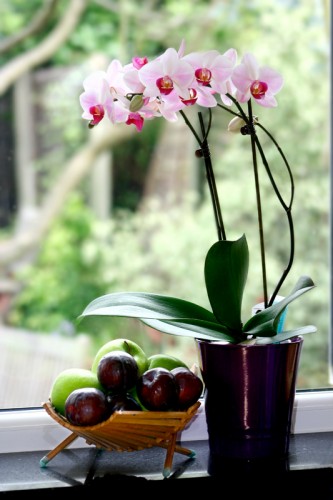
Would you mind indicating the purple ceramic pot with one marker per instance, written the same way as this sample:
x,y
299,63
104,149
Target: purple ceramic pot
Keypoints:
x,y
249,397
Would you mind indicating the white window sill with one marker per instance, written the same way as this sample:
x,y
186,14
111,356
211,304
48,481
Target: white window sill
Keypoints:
x,y
31,430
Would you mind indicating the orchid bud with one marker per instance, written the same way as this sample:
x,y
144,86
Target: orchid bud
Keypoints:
x,y
236,124
136,103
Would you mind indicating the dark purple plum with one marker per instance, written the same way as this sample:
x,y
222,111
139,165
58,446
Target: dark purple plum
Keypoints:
x,y
157,390
117,371
122,402
86,406
190,387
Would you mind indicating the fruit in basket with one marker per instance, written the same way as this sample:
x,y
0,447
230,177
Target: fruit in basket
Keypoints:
x,y
134,394
117,371
122,402
190,387
87,406
122,345
157,390
67,381
164,361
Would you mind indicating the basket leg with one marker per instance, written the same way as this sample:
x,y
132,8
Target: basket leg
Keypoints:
x,y
46,459
179,449
185,451
171,447
169,455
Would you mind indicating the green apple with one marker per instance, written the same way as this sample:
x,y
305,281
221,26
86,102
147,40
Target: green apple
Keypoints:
x,y
165,361
122,345
67,381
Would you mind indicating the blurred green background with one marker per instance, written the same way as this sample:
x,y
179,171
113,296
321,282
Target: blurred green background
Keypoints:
x,y
156,224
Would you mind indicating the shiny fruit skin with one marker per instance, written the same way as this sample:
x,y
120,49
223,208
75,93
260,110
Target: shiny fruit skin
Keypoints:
x,y
86,407
126,345
122,402
190,387
67,381
157,390
117,371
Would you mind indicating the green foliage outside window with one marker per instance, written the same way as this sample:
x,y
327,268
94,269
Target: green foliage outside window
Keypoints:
x,y
83,258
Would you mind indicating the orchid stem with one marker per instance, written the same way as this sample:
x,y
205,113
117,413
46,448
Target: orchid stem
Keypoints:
x,y
286,206
205,152
255,145
259,210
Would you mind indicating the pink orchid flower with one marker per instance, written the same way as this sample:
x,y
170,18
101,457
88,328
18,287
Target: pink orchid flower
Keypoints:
x,y
98,102
135,119
167,75
181,50
261,83
169,108
138,62
211,69
115,77
137,113
132,79
96,99
228,87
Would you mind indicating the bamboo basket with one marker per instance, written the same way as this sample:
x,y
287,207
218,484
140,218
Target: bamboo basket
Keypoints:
x,y
129,431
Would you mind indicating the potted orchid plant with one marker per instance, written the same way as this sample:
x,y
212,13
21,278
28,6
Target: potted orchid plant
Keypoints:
x,y
249,367
145,90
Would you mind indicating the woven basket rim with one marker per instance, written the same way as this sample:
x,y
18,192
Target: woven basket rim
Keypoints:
x,y
144,417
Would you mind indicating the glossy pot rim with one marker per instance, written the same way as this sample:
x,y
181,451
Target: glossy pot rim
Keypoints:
x,y
228,345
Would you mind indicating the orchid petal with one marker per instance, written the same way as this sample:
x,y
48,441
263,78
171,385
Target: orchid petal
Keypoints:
x,y
268,101
272,78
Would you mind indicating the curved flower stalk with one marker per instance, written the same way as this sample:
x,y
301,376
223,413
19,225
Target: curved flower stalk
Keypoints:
x,y
164,87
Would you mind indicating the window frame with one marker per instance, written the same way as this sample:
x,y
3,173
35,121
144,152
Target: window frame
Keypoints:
x,y
32,429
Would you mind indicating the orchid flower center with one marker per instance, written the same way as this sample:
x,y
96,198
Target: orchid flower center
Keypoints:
x,y
97,112
165,85
203,76
193,96
258,89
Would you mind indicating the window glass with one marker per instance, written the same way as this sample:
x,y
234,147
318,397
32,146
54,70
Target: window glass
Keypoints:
x,y
78,221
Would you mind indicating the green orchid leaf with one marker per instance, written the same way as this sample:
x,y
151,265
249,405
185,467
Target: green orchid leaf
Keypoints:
x,y
146,305
265,322
226,269
197,330
288,334
183,318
